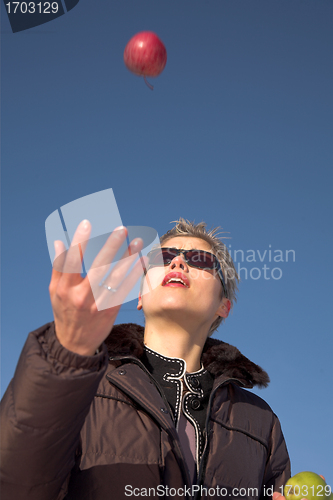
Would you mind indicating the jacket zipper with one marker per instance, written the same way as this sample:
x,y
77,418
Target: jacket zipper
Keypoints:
x,y
178,448
204,453
209,409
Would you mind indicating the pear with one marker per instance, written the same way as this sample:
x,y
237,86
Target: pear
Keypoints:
x,y
307,485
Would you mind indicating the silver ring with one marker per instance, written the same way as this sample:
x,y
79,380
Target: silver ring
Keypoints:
x,y
109,288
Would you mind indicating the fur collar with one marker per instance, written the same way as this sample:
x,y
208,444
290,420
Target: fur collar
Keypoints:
x,y
218,357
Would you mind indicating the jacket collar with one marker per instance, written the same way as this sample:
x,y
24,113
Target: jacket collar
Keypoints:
x,y
170,372
218,358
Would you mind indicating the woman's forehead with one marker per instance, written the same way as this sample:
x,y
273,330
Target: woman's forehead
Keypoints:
x,y
187,243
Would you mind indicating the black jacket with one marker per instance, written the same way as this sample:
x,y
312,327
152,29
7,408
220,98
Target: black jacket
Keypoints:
x,y
100,427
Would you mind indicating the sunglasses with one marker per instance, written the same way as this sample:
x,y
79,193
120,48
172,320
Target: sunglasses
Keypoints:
x,y
194,258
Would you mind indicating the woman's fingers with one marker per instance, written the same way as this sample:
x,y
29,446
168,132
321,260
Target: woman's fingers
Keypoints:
x,y
105,257
68,267
123,265
60,256
58,264
132,278
106,295
117,295
74,256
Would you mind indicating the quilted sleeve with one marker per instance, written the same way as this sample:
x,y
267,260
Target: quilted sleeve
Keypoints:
x,y
42,413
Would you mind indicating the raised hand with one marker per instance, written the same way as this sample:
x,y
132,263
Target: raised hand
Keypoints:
x,y
84,312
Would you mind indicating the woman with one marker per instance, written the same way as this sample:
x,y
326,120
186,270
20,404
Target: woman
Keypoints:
x,y
97,411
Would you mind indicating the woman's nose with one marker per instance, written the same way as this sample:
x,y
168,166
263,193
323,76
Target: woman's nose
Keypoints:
x,y
178,261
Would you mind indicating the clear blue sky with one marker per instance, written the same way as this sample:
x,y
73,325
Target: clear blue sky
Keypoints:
x,y
237,132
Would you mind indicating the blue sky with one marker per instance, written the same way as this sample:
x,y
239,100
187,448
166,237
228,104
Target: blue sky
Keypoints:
x,y
237,132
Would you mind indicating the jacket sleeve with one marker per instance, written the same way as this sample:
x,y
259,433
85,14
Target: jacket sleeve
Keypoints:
x,y
277,471
42,413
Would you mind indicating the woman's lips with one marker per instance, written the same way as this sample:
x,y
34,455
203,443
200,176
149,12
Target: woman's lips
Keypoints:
x,y
175,284
176,276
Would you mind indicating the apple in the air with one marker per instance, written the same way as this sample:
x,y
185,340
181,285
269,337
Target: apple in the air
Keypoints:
x,y
145,54
307,485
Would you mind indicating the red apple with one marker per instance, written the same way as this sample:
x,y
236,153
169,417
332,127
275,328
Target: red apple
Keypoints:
x,y
145,54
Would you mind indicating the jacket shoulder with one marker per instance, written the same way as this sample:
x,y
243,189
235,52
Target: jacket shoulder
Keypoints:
x,y
240,410
241,394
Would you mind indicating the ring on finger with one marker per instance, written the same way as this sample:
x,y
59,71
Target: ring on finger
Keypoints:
x,y
108,288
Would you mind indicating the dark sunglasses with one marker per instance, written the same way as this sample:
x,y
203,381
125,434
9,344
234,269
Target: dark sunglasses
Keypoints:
x,y
194,258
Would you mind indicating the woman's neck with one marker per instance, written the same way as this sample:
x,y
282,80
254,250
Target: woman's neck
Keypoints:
x,y
175,342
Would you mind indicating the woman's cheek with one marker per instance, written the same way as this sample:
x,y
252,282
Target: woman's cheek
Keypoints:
x,y
152,280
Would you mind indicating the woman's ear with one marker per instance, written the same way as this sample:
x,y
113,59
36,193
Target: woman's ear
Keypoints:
x,y
224,308
139,306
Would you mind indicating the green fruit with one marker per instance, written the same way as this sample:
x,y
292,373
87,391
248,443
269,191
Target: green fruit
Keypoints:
x,y
307,485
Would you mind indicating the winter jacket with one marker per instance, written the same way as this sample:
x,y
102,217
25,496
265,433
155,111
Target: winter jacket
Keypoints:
x,y
100,427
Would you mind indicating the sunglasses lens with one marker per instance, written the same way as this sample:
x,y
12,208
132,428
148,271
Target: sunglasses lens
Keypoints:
x,y
155,258
202,260
160,257
168,255
195,258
